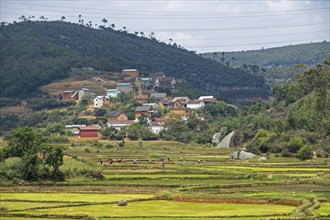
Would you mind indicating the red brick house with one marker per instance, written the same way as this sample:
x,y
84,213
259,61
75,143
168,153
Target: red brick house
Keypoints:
x,y
89,131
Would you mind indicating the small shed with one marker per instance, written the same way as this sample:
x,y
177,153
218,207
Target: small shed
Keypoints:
x,y
89,131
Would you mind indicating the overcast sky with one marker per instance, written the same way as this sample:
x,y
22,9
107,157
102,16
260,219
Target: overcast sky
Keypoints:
x,y
203,26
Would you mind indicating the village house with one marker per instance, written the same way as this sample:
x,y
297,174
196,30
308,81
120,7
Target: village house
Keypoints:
x,y
113,93
155,127
154,76
74,129
165,103
179,111
118,115
195,104
119,124
101,101
208,99
125,87
91,131
75,95
130,72
146,81
67,95
144,110
141,98
158,96
182,100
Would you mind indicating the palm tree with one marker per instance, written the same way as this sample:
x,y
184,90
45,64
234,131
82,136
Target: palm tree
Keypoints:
x,y
151,35
79,21
142,34
104,21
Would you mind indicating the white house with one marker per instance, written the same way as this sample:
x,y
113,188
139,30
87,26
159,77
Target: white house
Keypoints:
x,y
100,101
156,127
205,97
194,104
119,124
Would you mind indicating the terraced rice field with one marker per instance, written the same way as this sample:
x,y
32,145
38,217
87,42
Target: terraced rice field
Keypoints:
x,y
196,182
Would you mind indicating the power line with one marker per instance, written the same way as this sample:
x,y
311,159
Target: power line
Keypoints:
x,y
170,13
258,36
249,44
151,16
238,28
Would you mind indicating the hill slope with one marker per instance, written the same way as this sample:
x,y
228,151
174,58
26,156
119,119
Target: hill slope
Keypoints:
x,y
36,53
309,54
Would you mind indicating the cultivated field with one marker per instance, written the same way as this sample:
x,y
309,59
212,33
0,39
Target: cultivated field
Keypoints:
x,y
169,180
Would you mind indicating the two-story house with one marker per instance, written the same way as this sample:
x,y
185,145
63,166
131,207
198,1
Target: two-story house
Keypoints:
x,y
126,87
145,110
101,101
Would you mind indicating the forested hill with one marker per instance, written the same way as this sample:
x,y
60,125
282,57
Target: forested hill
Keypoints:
x,y
309,54
35,53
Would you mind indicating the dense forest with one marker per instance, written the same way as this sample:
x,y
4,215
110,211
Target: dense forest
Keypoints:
x,y
309,54
35,53
275,64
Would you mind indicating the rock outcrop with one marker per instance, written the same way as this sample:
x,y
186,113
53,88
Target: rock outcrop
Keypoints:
x,y
262,159
122,203
226,141
242,155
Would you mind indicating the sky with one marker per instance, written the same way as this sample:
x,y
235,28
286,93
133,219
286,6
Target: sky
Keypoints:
x,y
198,25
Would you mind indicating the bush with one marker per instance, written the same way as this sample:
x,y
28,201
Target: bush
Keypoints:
x,y
295,144
305,153
286,153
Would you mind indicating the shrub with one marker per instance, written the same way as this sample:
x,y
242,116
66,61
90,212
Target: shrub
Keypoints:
x,y
295,144
305,153
286,153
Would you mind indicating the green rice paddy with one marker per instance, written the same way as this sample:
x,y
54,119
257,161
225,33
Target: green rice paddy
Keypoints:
x,y
197,182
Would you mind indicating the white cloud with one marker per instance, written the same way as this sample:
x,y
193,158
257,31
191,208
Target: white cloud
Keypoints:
x,y
151,15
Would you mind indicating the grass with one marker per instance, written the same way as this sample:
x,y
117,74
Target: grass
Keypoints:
x,y
324,209
71,197
272,169
156,176
27,205
170,208
209,184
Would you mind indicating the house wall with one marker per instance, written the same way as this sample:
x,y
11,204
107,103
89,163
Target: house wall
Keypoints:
x,y
126,89
122,117
177,104
194,106
131,73
156,129
179,111
67,95
139,114
98,103
89,133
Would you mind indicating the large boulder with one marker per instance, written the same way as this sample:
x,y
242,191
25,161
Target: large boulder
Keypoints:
x,y
226,141
217,136
122,203
262,159
242,155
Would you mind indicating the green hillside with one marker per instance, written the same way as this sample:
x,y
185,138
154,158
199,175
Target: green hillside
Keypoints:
x,y
309,54
37,53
